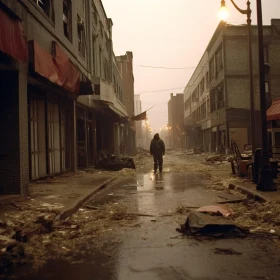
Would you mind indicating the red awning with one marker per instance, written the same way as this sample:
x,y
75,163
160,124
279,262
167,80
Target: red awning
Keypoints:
x,y
68,74
273,113
12,40
43,63
59,70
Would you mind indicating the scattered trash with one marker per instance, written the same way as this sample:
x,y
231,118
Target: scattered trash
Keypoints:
x,y
223,251
216,158
107,161
245,200
91,207
221,210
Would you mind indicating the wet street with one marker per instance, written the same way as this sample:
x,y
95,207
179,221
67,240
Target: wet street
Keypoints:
x,y
150,247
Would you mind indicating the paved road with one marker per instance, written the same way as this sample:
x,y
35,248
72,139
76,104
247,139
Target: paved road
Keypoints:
x,y
154,250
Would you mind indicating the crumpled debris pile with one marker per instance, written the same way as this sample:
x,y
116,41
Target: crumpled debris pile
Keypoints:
x,y
107,161
219,158
36,239
242,217
256,215
195,151
211,225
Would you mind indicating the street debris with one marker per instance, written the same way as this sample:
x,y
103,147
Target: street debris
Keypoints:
x,y
253,214
245,200
221,210
182,209
224,251
216,158
215,226
107,161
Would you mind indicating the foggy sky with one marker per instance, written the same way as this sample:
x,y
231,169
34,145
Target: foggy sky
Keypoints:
x,y
165,33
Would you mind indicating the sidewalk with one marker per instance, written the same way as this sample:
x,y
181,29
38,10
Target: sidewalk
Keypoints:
x,y
248,188
60,194
223,173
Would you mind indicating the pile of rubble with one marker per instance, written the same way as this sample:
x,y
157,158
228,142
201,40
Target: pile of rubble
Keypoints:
x,y
34,237
239,217
107,161
219,158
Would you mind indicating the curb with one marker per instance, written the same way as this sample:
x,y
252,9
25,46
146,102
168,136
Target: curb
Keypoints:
x,y
251,194
70,211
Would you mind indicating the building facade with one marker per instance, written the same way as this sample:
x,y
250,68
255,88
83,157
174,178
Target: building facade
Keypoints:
x,y
138,124
61,89
217,97
175,120
125,64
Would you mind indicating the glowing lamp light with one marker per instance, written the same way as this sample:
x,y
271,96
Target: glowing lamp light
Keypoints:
x,y
223,12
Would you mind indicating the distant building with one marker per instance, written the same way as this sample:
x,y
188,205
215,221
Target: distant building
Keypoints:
x,y
217,97
176,120
125,64
138,124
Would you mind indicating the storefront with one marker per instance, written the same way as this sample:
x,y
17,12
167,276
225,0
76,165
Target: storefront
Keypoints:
x,y
51,99
13,103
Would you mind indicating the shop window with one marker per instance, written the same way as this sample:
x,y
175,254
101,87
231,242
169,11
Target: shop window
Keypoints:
x,y
81,36
67,19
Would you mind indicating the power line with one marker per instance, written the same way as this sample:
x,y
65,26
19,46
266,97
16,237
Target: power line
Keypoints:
x,y
168,68
161,90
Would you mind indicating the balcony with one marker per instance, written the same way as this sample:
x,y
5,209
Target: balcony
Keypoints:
x,y
104,91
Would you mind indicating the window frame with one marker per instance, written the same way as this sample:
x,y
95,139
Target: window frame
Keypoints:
x,y
81,37
69,19
48,11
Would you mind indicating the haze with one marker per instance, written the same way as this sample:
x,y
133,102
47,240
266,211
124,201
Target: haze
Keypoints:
x,y
172,34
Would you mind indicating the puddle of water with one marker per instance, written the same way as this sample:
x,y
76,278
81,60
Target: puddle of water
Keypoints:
x,y
170,182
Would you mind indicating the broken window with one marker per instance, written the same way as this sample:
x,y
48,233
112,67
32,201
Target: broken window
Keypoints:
x,y
201,88
100,63
106,69
93,54
46,6
212,69
212,100
219,60
81,36
220,97
67,18
207,79
208,110
43,4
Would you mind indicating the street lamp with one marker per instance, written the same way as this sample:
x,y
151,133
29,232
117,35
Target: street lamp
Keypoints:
x,y
223,14
265,179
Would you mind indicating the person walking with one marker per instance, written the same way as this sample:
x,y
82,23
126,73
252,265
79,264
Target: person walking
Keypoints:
x,y
157,150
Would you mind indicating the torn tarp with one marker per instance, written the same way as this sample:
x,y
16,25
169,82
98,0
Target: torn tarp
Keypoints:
x,y
140,117
222,210
203,224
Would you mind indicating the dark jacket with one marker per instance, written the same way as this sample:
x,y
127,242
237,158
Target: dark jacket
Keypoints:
x,y
157,146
